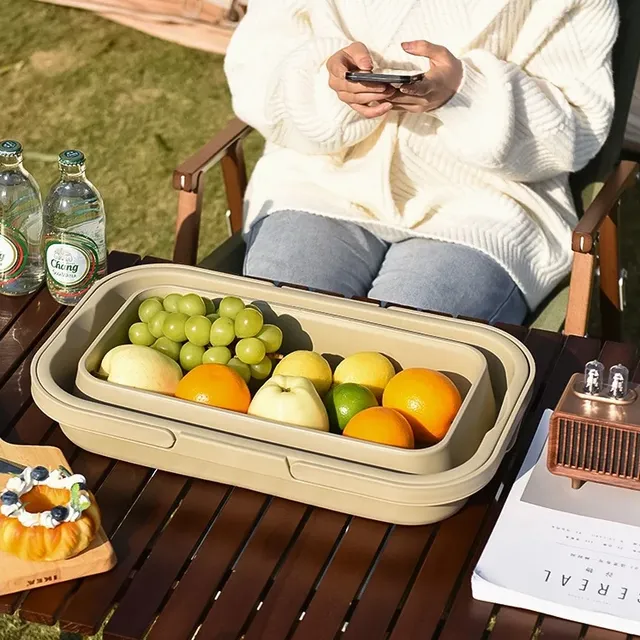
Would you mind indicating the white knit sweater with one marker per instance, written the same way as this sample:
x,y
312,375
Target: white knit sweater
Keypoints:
x,y
489,169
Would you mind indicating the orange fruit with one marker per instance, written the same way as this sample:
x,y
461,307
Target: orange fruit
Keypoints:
x,y
384,426
216,385
427,399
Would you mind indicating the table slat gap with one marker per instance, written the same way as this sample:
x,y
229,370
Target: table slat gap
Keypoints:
x,y
87,609
273,539
191,598
264,594
169,557
299,575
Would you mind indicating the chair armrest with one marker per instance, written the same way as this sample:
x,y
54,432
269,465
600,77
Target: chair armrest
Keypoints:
x,y
187,176
584,234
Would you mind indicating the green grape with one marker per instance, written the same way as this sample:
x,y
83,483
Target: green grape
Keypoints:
x,y
212,317
251,350
156,323
198,330
190,356
168,347
192,304
248,323
262,370
148,309
209,305
242,369
271,335
222,332
230,307
171,302
173,327
216,355
139,334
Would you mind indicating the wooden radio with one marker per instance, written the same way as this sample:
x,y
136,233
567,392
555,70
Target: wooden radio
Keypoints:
x,y
594,433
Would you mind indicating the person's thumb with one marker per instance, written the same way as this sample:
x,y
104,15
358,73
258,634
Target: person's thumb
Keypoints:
x,y
360,56
424,49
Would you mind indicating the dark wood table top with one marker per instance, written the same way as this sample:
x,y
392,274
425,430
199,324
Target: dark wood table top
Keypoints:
x,y
230,563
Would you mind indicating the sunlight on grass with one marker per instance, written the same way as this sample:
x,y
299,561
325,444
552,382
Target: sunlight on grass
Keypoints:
x,y
136,106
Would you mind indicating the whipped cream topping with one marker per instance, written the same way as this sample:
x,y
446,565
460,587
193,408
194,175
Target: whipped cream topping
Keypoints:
x,y
56,479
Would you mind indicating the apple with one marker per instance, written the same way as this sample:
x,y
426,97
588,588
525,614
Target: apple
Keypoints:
x,y
291,400
141,367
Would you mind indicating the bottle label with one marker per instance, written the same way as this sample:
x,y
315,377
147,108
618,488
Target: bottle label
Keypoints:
x,y
72,261
13,254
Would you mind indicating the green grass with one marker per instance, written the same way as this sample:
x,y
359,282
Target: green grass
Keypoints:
x,y
137,106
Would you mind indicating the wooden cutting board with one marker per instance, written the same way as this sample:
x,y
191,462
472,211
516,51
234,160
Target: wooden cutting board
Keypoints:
x,y
19,575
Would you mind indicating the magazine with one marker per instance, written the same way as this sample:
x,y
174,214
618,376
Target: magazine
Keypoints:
x,y
574,554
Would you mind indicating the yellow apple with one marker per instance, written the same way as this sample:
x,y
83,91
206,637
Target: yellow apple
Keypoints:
x,y
291,400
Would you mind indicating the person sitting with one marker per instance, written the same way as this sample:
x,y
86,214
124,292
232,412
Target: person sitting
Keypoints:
x,y
450,194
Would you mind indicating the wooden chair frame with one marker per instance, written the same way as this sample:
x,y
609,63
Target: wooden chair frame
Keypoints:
x,y
594,242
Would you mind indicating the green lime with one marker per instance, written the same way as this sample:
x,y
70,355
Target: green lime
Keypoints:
x,y
344,401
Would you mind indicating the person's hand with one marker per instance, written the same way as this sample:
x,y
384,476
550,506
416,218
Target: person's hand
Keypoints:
x,y
368,99
437,87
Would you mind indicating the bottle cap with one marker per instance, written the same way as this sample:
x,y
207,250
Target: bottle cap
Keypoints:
x,y
71,158
10,149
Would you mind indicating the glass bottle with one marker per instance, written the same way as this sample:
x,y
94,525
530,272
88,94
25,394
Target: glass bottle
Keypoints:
x,y
74,242
21,268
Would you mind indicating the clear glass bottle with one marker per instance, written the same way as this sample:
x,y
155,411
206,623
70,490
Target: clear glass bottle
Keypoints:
x,y
21,268
74,240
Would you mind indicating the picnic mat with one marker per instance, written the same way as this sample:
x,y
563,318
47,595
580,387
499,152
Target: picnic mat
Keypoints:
x,y
199,24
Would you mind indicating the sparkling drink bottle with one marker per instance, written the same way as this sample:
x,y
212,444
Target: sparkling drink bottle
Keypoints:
x,y
21,268
74,239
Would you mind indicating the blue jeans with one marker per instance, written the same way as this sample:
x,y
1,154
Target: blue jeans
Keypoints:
x,y
343,257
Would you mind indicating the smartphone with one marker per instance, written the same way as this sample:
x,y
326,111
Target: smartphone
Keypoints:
x,y
389,77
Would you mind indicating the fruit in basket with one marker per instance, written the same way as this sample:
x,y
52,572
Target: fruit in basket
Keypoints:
x,y
168,347
148,309
173,327
306,364
248,323
250,351
381,425
262,370
427,399
191,356
172,302
222,332
368,368
291,400
105,363
216,355
345,401
143,368
242,369
230,307
192,305
198,330
139,334
215,385
272,337
157,323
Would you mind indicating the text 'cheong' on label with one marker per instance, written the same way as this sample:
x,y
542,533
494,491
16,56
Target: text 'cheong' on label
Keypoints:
x,y
66,264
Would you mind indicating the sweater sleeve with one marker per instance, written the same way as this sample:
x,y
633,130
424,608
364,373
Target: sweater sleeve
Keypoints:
x,y
547,118
276,70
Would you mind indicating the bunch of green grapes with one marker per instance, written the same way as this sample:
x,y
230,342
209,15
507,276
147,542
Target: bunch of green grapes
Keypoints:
x,y
189,329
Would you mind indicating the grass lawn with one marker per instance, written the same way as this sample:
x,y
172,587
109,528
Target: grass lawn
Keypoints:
x,y
136,106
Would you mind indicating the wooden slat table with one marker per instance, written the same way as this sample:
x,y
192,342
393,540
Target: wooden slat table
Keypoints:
x,y
218,562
